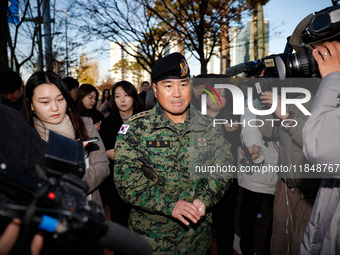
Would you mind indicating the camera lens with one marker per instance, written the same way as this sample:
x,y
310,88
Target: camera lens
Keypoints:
x,y
300,64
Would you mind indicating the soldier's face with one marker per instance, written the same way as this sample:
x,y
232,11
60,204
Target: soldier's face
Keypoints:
x,y
173,95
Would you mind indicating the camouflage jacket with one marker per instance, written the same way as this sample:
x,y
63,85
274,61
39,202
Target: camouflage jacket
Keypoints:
x,y
154,163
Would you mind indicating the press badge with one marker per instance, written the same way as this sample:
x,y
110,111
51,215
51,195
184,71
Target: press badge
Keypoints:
x,y
124,128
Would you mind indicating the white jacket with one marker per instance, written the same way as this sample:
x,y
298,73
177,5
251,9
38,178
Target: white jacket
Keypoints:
x,y
258,181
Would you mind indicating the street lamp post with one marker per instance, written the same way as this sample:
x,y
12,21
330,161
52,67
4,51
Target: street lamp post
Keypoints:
x,y
47,34
67,63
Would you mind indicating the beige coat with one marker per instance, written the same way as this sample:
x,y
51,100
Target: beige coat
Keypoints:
x,y
99,163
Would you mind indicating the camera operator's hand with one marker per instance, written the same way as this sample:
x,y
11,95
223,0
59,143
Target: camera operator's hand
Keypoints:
x,y
10,236
254,151
230,128
186,209
267,98
327,56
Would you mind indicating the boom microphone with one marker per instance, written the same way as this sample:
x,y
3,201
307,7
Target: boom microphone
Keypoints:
x,y
251,68
122,241
234,70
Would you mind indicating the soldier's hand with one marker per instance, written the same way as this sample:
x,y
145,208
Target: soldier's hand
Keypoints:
x,y
186,209
201,207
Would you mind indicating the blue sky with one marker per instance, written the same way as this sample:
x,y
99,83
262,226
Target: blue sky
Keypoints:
x,y
291,12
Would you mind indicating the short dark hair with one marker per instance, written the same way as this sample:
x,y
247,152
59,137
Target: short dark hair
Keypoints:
x,y
146,82
10,81
71,83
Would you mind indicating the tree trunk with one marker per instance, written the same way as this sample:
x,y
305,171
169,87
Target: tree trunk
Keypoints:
x,y
204,63
256,55
225,43
4,33
225,47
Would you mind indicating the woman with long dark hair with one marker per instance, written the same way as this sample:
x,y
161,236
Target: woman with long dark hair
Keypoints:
x,y
87,97
103,104
48,106
124,103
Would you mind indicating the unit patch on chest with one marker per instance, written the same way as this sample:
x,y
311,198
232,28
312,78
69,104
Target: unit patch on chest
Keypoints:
x,y
202,142
157,143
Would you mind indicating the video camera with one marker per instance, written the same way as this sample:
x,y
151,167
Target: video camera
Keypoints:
x,y
58,203
312,31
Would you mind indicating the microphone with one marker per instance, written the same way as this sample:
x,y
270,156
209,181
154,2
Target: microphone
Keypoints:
x,y
122,241
234,70
251,68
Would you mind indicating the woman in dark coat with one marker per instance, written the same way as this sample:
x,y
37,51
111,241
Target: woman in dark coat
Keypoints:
x,y
124,103
87,98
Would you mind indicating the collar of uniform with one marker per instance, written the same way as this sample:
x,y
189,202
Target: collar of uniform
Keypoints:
x,y
196,120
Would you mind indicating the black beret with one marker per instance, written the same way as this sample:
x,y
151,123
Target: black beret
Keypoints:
x,y
173,66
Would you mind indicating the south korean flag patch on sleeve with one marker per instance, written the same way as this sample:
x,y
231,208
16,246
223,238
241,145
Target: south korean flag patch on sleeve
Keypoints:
x,y
124,128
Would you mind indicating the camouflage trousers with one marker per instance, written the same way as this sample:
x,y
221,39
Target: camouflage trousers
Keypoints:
x,y
172,237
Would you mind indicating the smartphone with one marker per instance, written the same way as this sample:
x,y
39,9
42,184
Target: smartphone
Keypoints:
x,y
90,139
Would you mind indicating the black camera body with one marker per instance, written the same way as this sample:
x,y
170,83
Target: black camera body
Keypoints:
x,y
57,203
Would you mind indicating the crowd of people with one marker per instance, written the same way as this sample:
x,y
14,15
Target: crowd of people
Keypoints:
x,y
144,166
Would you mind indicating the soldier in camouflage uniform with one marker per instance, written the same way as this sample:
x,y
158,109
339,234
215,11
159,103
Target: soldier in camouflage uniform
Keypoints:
x,y
155,153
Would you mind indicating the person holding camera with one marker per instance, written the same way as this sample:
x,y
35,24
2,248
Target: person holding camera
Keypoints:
x,y
11,87
295,192
10,235
22,149
321,146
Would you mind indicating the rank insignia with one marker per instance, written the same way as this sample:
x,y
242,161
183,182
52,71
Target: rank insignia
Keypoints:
x,y
157,143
